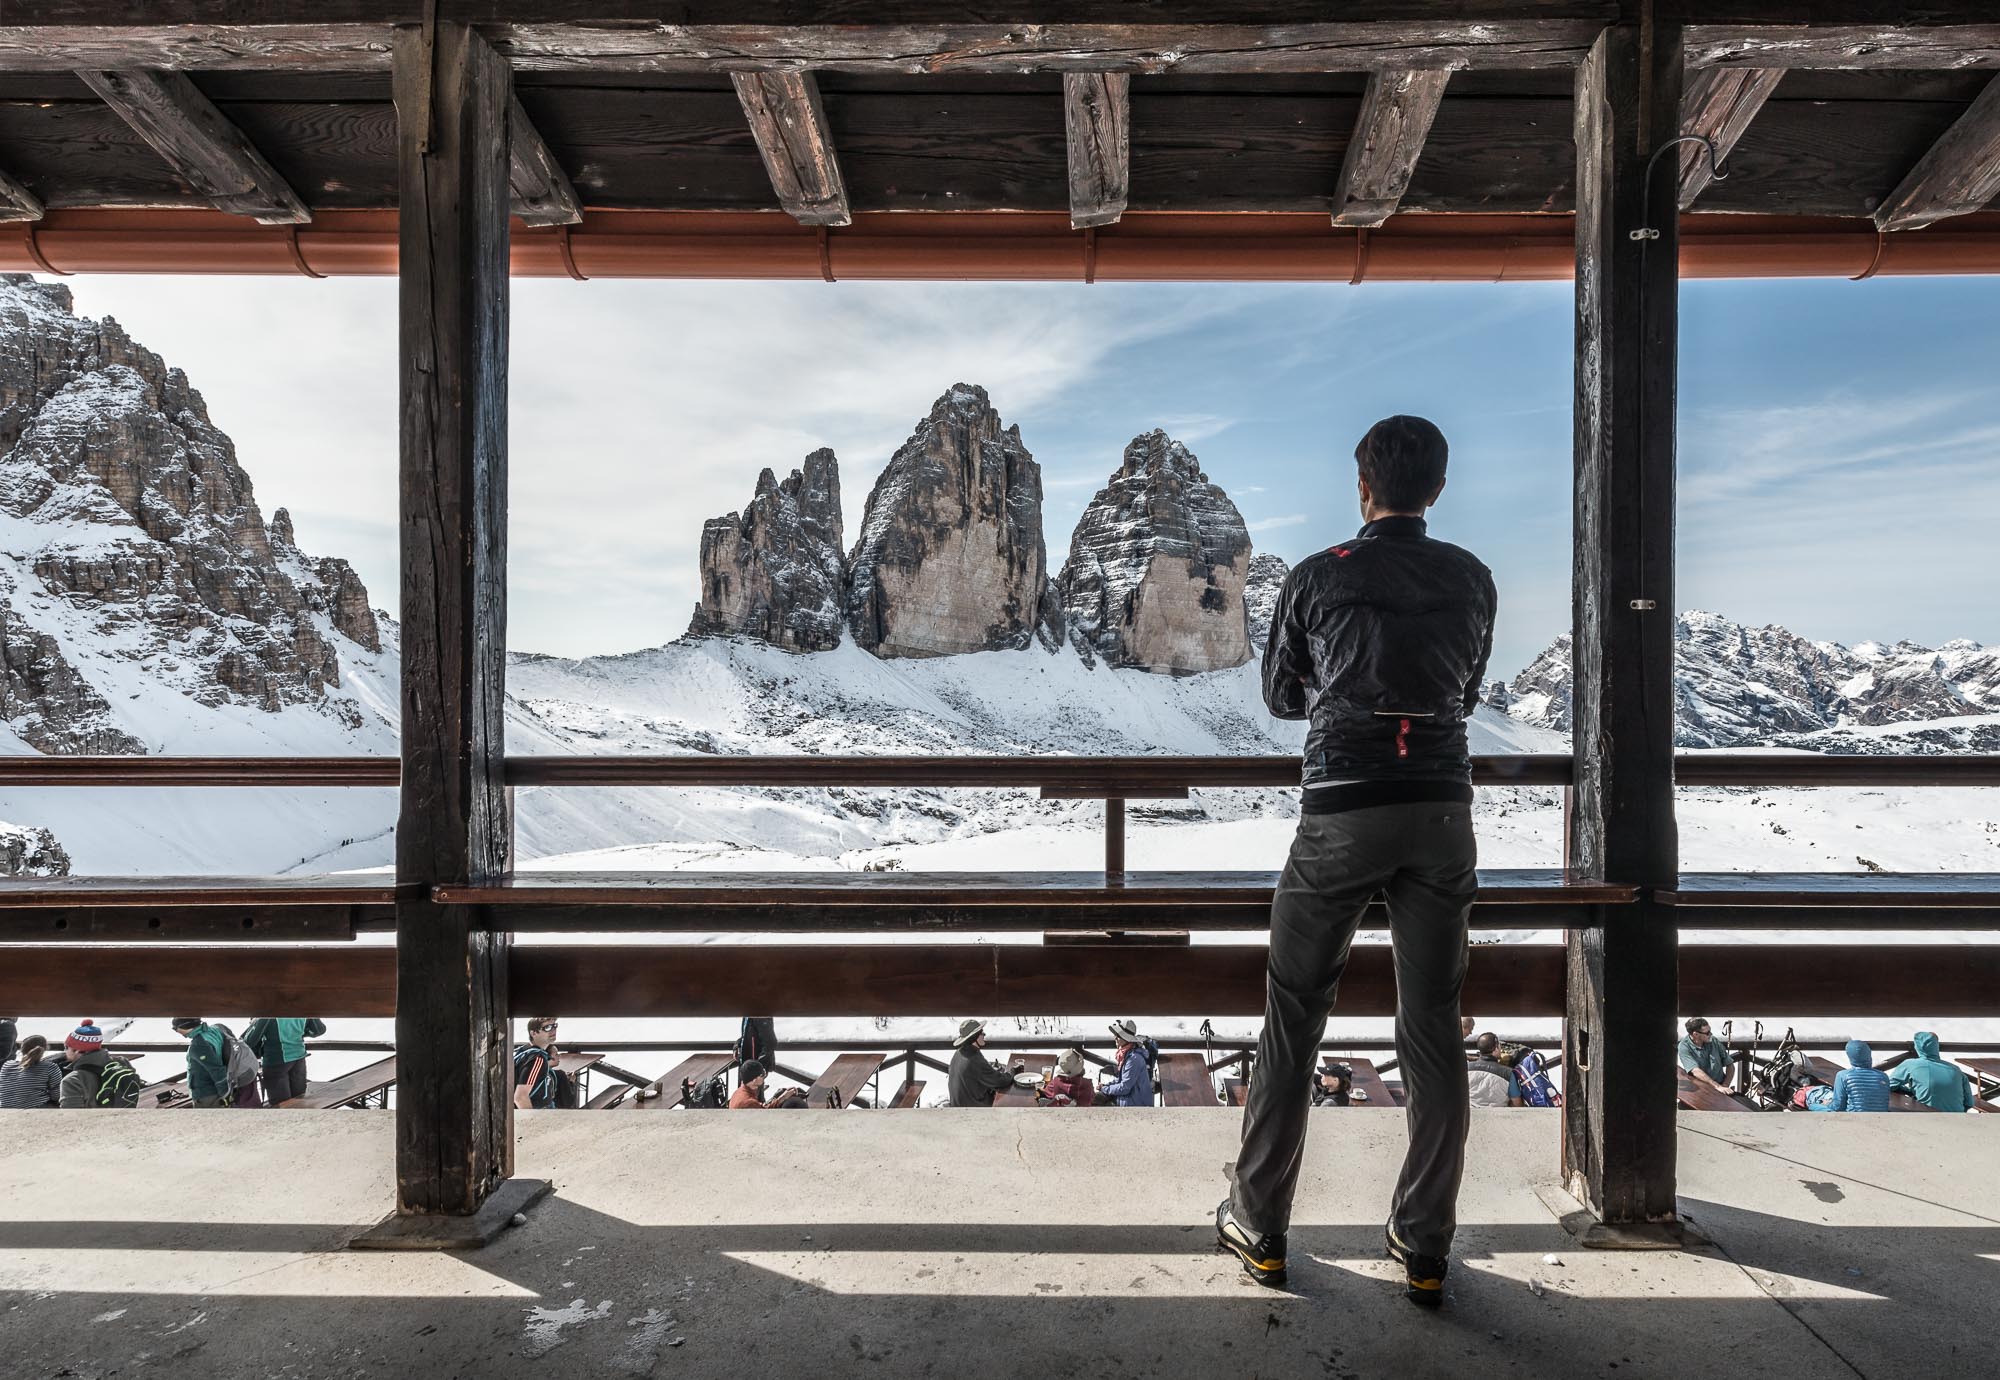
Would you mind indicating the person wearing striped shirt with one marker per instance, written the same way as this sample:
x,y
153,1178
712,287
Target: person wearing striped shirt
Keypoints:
x,y
1860,1087
30,1079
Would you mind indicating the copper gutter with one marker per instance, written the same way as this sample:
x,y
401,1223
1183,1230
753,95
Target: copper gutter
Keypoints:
x,y
999,246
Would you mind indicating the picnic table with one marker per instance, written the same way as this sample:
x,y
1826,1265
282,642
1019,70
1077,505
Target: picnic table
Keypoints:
x,y
1017,1096
1366,1080
1700,1097
167,1094
843,1080
350,1089
578,1066
696,1069
1184,1081
1985,1081
1898,1101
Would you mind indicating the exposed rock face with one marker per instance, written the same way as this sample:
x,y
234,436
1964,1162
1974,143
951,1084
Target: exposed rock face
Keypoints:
x,y
775,571
1741,686
1158,565
1260,597
950,556
29,852
131,545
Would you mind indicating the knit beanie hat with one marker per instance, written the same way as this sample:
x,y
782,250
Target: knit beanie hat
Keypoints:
x,y
85,1038
186,1022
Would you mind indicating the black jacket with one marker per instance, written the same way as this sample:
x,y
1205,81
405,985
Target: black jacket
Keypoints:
x,y
1382,642
976,1080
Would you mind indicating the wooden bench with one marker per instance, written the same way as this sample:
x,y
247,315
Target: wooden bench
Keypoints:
x,y
843,1081
907,1095
614,1093
666,1090
1898,1101
351,1089
1699,1097
1185,1081
1018,1096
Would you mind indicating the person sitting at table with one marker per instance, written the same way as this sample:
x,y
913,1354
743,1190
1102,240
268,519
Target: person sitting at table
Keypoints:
x,y
1702,1057
750,1092
1070,1086
1333,1086
975,1080
1132,1084
538,1080
1488,1082
1860,1087
30,1078
1927,1077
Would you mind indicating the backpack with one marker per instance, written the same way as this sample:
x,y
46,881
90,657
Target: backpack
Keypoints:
x,y
1537,1088
117,1086
712,1094
244,1066
542,1090
1151,1049
757,1039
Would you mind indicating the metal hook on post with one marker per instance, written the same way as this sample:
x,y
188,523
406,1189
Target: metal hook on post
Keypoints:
x,y
1717,172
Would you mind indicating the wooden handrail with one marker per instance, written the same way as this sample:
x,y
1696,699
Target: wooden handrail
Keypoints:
x,y
1108,776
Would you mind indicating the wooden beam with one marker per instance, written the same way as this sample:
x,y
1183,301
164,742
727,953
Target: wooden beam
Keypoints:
x,y
1774,981
1718,104
1097,123
1960,173
1389,133
199,142
789,125
17,203
629,35
1848,47
542,194
1618,1115
454,1114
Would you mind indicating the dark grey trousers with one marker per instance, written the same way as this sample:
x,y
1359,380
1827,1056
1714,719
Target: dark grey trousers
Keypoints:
x,y
1423,857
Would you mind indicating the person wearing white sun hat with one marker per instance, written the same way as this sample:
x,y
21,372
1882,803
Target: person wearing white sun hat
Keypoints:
x,y
1132,1084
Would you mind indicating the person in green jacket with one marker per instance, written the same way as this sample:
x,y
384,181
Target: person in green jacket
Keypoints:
x,y
208,1065
1940,1086
279,1042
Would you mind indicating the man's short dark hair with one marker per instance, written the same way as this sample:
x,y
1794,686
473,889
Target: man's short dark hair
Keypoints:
x,y
537,1024
1403,460
1695,1023
1488,1043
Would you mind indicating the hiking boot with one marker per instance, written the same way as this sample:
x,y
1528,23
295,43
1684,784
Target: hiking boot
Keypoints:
x,y
1423,1275
1263,1257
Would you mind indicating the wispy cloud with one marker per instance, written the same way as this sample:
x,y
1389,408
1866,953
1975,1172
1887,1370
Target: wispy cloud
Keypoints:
x,y
1272,524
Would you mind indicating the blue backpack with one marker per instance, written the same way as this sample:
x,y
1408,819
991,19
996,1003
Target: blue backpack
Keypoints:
x,y
1537,1088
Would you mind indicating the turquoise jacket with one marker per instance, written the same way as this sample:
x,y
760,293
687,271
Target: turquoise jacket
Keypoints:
x,y
280,1040
208,1064
1930,1080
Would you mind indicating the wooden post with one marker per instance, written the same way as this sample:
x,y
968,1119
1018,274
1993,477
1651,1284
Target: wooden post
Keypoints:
x,y
454,1109
1619,1090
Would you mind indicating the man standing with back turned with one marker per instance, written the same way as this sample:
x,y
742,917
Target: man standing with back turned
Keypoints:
x,y
1381,642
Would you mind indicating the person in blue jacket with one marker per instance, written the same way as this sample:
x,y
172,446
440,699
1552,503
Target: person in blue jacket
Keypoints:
x,y
1927,1077
1132,1085
1860,1087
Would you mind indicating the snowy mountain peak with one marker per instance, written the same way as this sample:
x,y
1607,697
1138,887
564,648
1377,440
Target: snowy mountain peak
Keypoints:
x,y
775,571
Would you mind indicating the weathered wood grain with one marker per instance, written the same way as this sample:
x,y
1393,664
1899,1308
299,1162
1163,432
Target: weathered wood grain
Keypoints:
x,y
1960,173
1618,1116
541,190
1896,42
17,203
1718,104
789,124
1389,133
1097,127
454,1111
199,143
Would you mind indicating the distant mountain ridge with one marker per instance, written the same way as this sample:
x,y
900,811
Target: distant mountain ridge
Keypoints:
x,y
1742,686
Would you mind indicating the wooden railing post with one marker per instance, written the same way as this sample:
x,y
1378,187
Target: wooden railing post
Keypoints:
x,y
1619,1124
454,1108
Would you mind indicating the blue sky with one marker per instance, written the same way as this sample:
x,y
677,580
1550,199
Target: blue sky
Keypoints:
x,y
1840,441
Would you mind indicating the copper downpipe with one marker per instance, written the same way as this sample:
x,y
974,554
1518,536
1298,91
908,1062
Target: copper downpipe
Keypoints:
x,y
1143,247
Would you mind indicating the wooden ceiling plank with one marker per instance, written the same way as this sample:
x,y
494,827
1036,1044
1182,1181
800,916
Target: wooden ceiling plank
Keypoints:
x,y
1389,133
1856,47
789,124
1097,122
542,191
17,203
200,143
1718,104
1960,173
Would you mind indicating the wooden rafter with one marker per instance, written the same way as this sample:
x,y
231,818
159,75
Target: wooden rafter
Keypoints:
x,y
200,143
1960,173
17,202
541,189
1719,103
1881,46
1097,122
1389,133
789,124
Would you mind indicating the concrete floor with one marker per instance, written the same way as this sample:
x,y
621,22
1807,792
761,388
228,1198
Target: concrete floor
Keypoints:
x,y
969,1244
